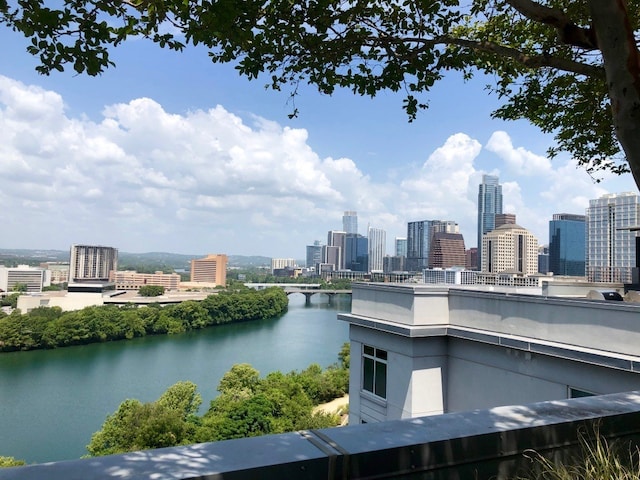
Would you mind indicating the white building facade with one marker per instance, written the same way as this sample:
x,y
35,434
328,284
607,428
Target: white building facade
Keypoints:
x,y
377,249
92,263
510,248
611,246
32,279
421,350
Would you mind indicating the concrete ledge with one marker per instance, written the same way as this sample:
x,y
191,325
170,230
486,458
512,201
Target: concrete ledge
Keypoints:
x,y
478,445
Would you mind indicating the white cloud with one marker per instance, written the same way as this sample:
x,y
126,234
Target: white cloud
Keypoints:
x,y
143,179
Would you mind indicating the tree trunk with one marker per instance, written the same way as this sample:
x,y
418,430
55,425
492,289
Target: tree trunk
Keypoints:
x,y
622,66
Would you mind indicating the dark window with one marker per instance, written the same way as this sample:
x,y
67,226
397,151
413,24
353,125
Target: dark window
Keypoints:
x,y
374,371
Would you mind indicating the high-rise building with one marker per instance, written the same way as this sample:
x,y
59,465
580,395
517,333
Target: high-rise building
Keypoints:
x,y
543,259
401,246
377,249
210,269
92,263
336,239
471,259
314,254
356,252
447,250
611,246
350,222
505,219
567,241
510,249
489,204
419,240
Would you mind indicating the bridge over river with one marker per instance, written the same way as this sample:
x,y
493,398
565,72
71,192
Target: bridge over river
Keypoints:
x,y
306,289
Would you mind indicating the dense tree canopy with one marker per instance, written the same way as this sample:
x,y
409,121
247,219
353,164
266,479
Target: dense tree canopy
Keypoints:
x,y
50,327
247,406
570,67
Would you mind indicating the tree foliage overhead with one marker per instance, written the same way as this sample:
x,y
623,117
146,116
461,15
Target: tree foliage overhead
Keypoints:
x,y
570,67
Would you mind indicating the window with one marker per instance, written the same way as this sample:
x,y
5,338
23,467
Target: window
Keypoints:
x,y
577,393
374,371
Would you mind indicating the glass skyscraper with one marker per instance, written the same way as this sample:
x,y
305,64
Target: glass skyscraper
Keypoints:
x,y
419,241
377,249
567,241
489,204
611,245
350,222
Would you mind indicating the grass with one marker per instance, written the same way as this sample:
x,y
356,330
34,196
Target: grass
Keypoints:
x,y
598,459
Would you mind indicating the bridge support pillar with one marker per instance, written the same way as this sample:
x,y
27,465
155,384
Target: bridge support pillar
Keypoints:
x,y
307,298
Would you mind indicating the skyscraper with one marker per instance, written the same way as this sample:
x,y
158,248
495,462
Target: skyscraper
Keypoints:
x,y
447,250
356,252
419,240
401,247
350,222
611,247
510,248
377,249
567,241
489,204
314,254
336,239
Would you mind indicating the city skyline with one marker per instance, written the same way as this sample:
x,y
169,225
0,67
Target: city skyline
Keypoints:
x,y
167,152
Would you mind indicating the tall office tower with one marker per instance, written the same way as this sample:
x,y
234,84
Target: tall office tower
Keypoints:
x,y
356,252
447,250
92,263
489,204
505,219
611,246
377,249
314,254
510,248
567,241
337,239
543,259
210,269
471,259
401,247
350,222
419,240
330,258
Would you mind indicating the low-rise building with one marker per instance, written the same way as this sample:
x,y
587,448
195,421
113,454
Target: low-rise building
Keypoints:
x,y
130,280
24,278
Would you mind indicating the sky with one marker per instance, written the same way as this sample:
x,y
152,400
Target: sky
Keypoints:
x,y
168,152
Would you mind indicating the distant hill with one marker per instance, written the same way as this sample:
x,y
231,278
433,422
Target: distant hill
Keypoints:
x,y
170,260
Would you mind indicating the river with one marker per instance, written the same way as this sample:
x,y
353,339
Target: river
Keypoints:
x,y
51,401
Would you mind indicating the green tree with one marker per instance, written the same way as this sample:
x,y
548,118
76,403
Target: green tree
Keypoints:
x,y
20,287
151,291
568,67
10,462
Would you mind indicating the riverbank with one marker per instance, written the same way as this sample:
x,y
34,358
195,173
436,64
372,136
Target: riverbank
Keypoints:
x,y
337,406
50,327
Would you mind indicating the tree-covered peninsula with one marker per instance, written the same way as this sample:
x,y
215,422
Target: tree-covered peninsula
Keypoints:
x,y
247,406
50,327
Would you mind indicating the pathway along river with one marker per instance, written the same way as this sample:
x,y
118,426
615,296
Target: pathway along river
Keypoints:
x,y
51,401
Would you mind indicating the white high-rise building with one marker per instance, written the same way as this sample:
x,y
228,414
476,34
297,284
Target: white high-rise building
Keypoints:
x,y
30,279
510,249
611,245
377,249
280,263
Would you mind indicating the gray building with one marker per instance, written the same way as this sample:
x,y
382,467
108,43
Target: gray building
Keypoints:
x,y
610,245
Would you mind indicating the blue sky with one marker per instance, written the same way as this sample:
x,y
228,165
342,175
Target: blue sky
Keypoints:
x,y
169,152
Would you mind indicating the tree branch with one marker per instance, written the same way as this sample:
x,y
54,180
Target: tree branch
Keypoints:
x,y
530,61
568,32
